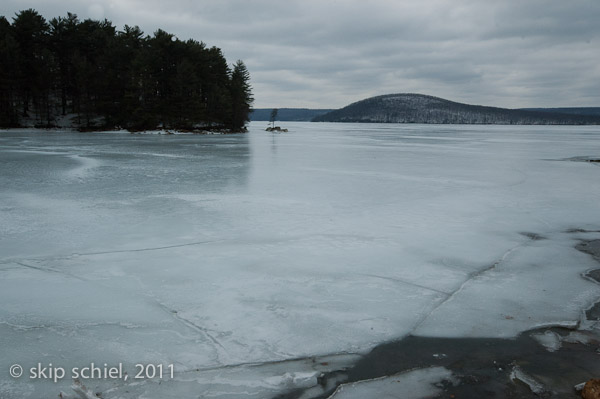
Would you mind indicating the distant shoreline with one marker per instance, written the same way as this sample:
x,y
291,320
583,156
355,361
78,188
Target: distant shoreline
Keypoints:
x,y
465,123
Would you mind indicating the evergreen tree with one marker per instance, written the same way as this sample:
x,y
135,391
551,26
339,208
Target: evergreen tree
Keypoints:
x,y
63,39
33,75
130,44
217,93
9,115
241,96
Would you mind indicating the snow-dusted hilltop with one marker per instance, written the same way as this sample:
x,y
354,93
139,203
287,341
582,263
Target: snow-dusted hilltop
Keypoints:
x,y
419,108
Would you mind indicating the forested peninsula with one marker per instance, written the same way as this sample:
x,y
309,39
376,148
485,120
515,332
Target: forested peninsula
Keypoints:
x,y
89,75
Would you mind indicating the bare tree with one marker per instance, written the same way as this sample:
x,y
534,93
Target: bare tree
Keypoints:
x,y
274,116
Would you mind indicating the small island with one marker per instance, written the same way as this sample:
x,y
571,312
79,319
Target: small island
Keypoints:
x,y
274,128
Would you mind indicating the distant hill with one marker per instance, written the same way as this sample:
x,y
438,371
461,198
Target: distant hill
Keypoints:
x,y
419,108
287,114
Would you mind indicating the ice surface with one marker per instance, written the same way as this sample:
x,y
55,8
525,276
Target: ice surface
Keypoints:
x,y
246,260
410,385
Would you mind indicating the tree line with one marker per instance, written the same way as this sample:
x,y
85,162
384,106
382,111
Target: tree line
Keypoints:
x,y
104,78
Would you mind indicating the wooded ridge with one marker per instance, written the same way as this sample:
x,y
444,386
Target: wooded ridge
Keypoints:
x,y
419,108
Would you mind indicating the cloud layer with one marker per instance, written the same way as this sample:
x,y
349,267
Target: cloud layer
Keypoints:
x,y
326,54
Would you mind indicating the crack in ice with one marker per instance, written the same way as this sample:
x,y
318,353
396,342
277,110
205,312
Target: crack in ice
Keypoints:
x,y
190,324
76,254
398,280
471,277
50,270
312,358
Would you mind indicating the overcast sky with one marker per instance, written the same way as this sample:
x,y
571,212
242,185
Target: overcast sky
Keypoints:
x,y
327,54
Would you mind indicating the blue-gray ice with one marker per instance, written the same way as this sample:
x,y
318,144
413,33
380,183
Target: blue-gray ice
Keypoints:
x,y
220,253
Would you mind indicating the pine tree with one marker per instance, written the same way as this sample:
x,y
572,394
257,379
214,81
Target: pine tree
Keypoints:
x,y
34,69
9,115
63,38
241,96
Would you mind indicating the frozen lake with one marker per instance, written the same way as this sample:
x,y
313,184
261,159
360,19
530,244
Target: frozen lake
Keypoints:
x,y
253,262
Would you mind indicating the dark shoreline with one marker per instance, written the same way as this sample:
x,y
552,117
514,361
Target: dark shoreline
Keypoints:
x,y
485,367
216,130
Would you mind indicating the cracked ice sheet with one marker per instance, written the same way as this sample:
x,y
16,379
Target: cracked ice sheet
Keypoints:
x,y
253,317
211,251
532,286
50,317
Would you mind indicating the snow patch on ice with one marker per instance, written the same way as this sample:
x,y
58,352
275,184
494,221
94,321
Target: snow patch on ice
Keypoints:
x,y
535,386
85,167
549,339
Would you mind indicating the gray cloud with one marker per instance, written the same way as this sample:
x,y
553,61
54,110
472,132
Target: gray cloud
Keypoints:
x,y
310,53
